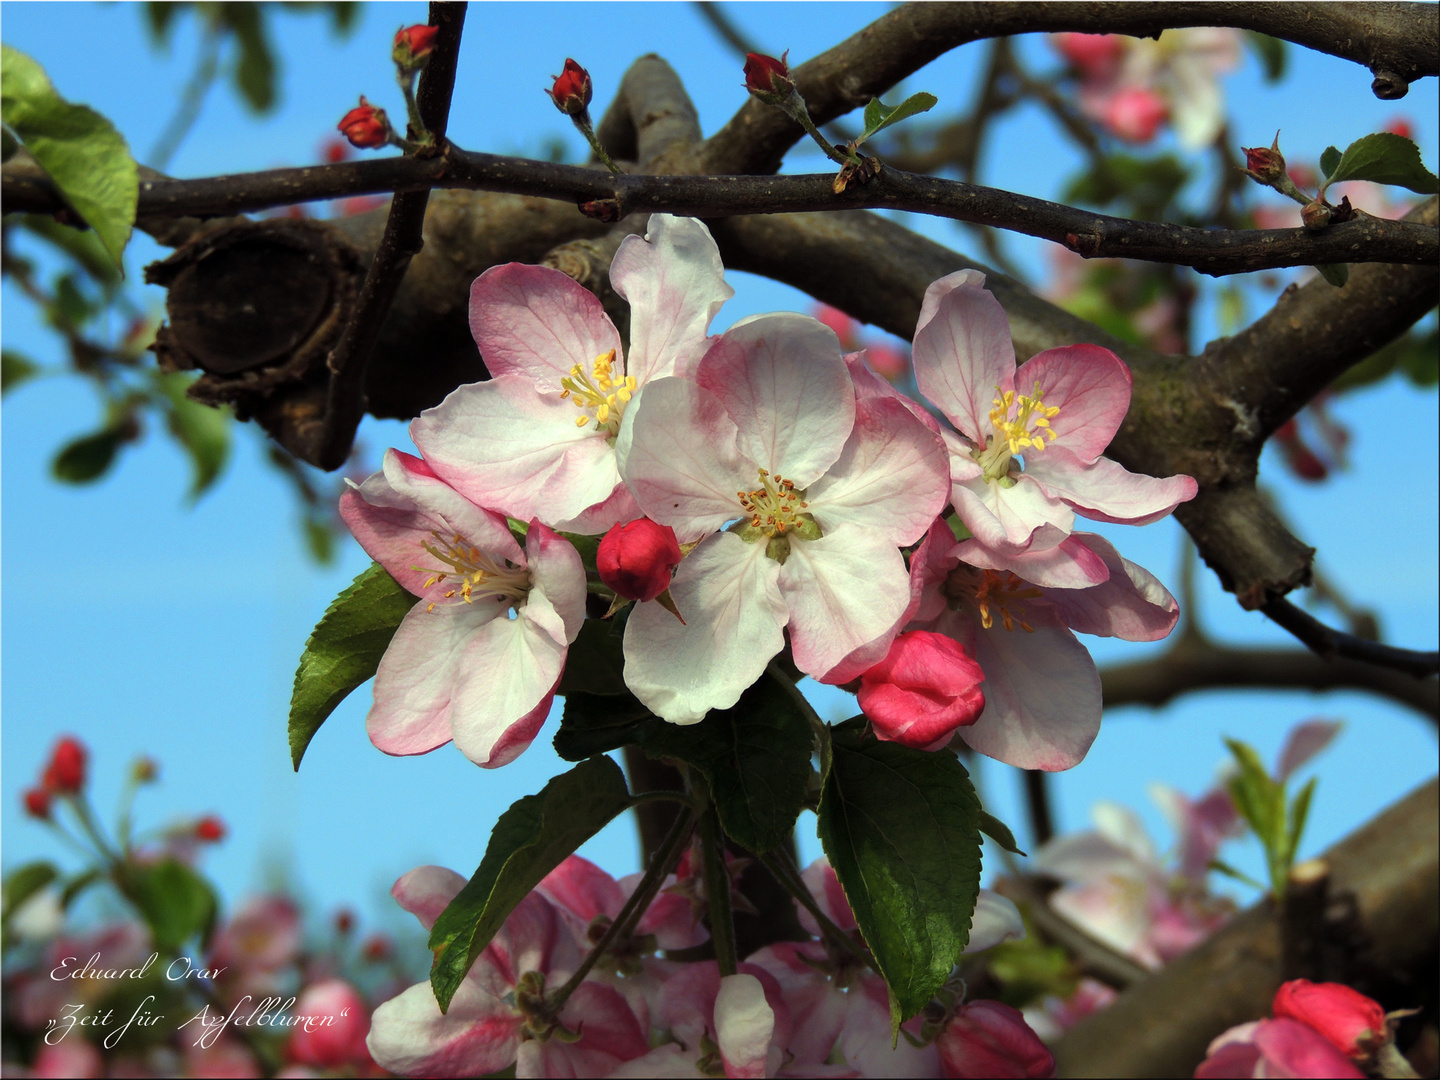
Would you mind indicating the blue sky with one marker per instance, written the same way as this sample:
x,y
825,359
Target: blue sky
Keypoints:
x,y
144,626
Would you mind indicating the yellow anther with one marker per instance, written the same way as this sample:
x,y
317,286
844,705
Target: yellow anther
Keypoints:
x,y
1026,430
599,393
992,592
477,575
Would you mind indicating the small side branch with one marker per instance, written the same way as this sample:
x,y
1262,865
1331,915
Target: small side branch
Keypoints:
x,y
1331,643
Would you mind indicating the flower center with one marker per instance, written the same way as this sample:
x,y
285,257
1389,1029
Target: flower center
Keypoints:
x,y
993,592
476,576
602,394
1021,423
776,512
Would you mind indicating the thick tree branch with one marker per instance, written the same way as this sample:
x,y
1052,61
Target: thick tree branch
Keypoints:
x,y
1161,1026
1211,251
1400,42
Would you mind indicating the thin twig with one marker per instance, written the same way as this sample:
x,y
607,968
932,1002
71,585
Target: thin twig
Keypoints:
x,y
1037,802
717,891
778,863
1331,644
191,98
1093,957
720,22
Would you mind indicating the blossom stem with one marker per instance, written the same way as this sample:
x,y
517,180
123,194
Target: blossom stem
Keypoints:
x,y
586,128
87,822
778,863
800,113
664,862
717,892
406,79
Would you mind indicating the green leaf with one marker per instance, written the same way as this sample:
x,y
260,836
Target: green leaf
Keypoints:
x,y
1231,872
1385,158
81,150
595,663
879,116
596,723
77,885
1299,811
319,539
1335,273
87,458
1328,160
533,837
22,883
901,829
82,245
755,757
998,831
255,66
159,17
344,650
16,368
204,431
1271,53
176,903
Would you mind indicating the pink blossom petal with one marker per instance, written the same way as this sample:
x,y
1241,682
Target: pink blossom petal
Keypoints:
x,y
1114,910
677,452
1070,564
537,323
782,379
1106,491
1010,520
668,1061
892,478
1091,387
843,591
996,919
609,1036
990,1039
744,1024
426,891
533,938
557,584
584,890
1302,743
410,1036
865,1039
505,445
675,284
1293,1049
869,386
729,594
817,1007
1232,1054
1131,604
964,357
1083,856
504,686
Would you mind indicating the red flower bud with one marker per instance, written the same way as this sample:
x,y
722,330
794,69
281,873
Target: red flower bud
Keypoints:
x,y
572,90
344,921
1401,126
376,948
210,829
37,803
637,559
1265,163
1353,1023
767,77
925,688
365,126
65,774
413,46
987,1038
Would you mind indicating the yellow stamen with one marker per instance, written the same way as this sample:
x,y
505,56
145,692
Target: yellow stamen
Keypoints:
x,y
477,575
1024,431
602,393
992,592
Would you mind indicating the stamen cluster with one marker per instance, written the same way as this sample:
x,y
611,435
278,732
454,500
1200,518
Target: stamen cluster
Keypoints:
x,y
1025,431
478,577
775,507
600,391
993,592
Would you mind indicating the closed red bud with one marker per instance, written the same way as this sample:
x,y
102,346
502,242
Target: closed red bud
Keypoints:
x,y
210,829
637,559
1315,215
768,77
344,921
413,45
925,688
376,948
1265,163
572,90
65,774
365,126
987,1038
37,803
1352,1023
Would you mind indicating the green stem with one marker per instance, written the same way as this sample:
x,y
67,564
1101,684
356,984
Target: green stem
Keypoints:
x,y
586,128
790,879
797,111
717,892
92,830
406,79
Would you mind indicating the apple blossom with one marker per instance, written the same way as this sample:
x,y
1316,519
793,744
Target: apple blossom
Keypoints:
x,y
1353,1023
1280,1047
1027,455
818,489
341,1022
990,1039
925,688
538,439
478,658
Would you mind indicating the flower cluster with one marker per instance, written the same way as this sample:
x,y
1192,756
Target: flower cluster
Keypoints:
x,y
782,482
793,1009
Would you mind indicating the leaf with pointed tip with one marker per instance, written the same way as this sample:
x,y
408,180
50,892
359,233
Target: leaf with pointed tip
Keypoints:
x,y
879,116
998,831
1385,158
1328,160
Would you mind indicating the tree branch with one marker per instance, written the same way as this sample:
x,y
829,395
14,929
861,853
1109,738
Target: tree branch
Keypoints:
x,y
1161,1025
1332,644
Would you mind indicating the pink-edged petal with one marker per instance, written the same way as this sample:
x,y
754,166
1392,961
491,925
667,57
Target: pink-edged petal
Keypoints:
x,y
671,918
963,354
1042,694
783,380
677,452
864,1041
504,445
940,288
668,1061
892,478
1106,491
675,284
1291,1048
870,387
1131,604
996,919
824,886
580,887
1070,564
1090,386
1302,743
557,583
744,1023
534,938
1010,520
609,1036
505,684
843,591
426,891
538,323
410,1036
416,680
619,508
728,592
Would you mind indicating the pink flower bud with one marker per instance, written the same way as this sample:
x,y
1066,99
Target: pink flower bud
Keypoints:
x,y
988,1038
65,774
413,46
1265,163
636,559
210,829
572,90
37,803
1089,54
1354,1023
767,77
925,688
1135,114
338,1019
365,126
